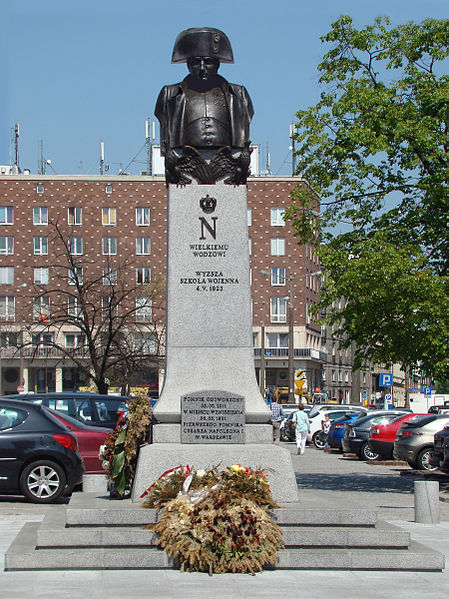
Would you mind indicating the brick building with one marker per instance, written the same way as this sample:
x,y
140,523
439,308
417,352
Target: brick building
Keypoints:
x,y
111,223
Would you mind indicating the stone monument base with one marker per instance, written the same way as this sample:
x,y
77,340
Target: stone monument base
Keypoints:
x,y
155,459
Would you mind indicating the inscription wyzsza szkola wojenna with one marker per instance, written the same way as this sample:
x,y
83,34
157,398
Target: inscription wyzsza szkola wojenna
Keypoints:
x,y
213,418
209,280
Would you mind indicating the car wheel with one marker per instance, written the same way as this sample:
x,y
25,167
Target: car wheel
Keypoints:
x,y
42,481
367,454
422,460
318,440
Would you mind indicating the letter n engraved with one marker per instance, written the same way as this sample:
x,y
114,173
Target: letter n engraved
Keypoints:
x,y
211,228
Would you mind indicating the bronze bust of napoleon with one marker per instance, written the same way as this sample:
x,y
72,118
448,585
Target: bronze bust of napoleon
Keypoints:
x,y
204,119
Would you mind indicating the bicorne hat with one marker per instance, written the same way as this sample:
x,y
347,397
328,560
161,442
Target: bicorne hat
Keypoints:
x,y
202,41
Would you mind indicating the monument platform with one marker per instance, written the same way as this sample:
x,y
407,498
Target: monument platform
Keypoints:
x,y
96,533
155,459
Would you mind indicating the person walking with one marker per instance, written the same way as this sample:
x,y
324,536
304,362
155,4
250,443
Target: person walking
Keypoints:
x,y
302,427
277,416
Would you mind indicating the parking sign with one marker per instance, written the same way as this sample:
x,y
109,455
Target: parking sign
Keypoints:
x,y
386,379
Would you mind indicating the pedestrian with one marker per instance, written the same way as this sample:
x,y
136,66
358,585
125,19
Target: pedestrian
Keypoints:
x,y
277,416
325,426
302,427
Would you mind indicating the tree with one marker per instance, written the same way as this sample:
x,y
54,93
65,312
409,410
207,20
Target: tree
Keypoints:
x,y
95,315
375,149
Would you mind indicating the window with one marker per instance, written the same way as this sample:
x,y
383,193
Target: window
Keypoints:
x,y
109,246
142,246
10,418
6,215
76,245
6,245
250,246
41,275
76,275
41,308
278,246
41,245
277,217
142,217
278,309
40,188
108,189
143,309
249,217
277,340
75,216
145,343
8,339
143,275
6,275
109,276
42,339
40,215
278,275
74,340
109,216
7,307
73,308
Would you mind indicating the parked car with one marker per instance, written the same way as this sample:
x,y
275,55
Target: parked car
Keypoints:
x,y
92,409
316,433
337,429
89,440
356,435
382,436
439,455
39,456
414,440
323,407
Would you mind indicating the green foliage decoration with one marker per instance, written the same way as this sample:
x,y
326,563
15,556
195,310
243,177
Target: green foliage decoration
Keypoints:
x,y
120,451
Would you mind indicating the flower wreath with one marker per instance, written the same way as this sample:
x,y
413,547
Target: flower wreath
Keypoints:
x,y
215,521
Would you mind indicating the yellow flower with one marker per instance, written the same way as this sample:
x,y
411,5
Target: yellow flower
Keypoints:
x,y
201,473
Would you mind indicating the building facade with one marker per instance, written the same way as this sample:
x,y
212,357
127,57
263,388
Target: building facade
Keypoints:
x,y
109,224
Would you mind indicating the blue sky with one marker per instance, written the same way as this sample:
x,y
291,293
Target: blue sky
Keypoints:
x,y
74,73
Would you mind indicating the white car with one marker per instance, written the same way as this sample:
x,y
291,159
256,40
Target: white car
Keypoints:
x,y
315,423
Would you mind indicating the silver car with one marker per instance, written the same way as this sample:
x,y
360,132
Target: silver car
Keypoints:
x,y
414,440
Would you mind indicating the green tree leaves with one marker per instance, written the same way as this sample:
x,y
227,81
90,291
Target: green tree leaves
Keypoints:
x,y
375,150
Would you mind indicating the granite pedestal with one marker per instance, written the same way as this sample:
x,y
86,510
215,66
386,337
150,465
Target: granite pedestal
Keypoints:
x,y
209,349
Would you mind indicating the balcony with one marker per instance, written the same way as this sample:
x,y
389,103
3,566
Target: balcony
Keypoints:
x,y
282,352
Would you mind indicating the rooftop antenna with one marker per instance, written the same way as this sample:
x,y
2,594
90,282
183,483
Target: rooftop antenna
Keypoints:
x,y
150,136
43,162
101,157
14,160
103,167
41,167
268,161
292,148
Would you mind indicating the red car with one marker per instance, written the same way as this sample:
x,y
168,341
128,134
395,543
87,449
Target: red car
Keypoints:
x,y
382,436
89,440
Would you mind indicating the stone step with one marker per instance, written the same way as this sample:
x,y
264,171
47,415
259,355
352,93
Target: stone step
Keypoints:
x,y
52,533
22,555
89,509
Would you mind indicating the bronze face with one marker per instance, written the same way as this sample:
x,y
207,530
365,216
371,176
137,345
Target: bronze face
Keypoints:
x,y
203,68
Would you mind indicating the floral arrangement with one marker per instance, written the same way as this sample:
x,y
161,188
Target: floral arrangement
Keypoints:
x,y
215,521
120,450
